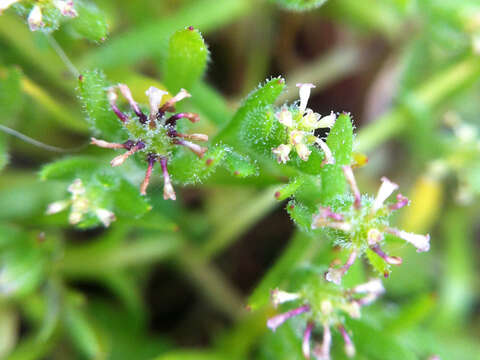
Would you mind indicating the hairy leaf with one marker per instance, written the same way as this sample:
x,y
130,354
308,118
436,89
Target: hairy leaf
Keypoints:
x,y
93,87
186,60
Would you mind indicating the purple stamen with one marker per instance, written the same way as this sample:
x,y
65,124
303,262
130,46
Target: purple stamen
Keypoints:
x,y
151,159
172,120
129,144
278,320
133,104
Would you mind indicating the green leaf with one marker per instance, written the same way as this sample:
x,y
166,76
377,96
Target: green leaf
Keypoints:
x,y
90,22
340,142
300,214
257,102
187,168
240,165
300,5
83,334
261,131
93,93
186,60
23,262
288,190
70,168
10,94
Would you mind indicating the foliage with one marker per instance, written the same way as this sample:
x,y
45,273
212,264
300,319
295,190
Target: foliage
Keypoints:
x,y
253,194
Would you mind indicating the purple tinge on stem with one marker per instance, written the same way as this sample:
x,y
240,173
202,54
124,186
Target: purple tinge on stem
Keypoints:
x,y
151,159
347,171
168,191
392,260
278,320
306,340
349,347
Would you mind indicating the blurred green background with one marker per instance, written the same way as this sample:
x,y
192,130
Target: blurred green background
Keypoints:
x,y
175,283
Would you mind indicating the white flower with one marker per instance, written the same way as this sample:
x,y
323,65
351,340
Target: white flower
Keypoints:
x,y
302,151
35,18
281,152
284,117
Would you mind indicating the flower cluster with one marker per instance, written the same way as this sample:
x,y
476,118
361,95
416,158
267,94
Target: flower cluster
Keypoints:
x,y
362,225
35,17
155,135
83,204
300,124
325,304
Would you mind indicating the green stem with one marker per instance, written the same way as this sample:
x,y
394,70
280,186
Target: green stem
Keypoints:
x,y
240,220
103,258
210,282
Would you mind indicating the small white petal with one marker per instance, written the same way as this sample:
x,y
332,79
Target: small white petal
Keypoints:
x,y
327,121
65,7
105,216
334,275
35,18
77,188
281,152
280,297
75,217
168,191
310,121
304,91
284,116
57,206
155,97
302,151
421,242
374,286
386,189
